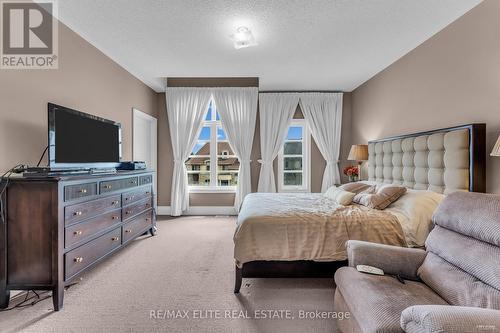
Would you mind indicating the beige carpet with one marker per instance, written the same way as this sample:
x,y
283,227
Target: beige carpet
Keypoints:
x,y
188,266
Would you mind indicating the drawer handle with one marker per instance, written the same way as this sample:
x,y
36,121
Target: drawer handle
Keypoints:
x,y
107,186
78,233
78,213
130,198
78,259
128,212
115,217
128,230
115,202
132,182
115,238
83,190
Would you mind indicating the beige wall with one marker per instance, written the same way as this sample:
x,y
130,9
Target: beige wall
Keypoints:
x,y
451,79
165,159
86,80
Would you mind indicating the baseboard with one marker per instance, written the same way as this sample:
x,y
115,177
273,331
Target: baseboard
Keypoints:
x,y
163,210
200,210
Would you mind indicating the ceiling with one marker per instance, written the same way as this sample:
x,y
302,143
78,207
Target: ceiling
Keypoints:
x,y
303,44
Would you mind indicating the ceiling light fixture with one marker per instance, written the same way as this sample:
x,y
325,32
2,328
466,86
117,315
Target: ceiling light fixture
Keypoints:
x,y
242,38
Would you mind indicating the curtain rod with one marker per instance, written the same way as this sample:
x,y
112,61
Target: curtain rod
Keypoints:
x,y
299,91
264,91
215,86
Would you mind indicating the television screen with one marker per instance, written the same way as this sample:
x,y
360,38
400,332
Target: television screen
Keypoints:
x,y
77,139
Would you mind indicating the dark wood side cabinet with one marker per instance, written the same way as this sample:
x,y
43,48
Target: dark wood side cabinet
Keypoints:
x,y
59,227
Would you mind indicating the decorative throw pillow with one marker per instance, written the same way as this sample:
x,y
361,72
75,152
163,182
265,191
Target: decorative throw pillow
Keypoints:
x,y
379,197
355,187
363,195
339,195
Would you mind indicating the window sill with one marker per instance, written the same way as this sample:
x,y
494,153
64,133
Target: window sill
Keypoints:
x,y
294,190
212,190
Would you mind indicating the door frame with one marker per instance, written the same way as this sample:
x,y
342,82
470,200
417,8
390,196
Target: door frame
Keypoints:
x,y
138,114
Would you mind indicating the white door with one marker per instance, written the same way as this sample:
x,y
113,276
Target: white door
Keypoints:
x,y
144,142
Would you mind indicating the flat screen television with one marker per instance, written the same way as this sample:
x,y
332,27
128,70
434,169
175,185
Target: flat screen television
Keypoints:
x,y
79,140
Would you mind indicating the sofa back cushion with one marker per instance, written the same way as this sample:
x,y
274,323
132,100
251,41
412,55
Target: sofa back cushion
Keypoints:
x,y
475,257
472,214
462,270
463,260
455,286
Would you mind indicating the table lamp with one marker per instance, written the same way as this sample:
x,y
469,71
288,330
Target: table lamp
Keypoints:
x,y
496,149
358,153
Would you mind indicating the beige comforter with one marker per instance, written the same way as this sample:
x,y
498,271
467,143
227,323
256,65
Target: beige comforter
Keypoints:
x,y
300,226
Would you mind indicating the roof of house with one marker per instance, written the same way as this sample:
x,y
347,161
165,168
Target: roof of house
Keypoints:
x,y
231,162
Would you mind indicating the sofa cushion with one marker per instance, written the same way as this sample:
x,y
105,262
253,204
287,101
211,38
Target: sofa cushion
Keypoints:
x,y
449,319
456,286
347,324
479,259
376,302
473,214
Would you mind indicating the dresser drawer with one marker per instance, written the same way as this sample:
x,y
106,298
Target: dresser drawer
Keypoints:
x,y
83,231
116,185
136,208
137,226
83,211
147,179
85,255
72,192
134,196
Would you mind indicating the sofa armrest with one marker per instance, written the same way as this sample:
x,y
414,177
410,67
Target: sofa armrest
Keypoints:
x,y
450,319
392,260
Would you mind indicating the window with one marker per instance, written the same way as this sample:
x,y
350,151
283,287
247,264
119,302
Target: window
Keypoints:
x,y
212,149
293,159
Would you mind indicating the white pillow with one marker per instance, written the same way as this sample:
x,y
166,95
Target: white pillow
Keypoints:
x,y
414,211
340,196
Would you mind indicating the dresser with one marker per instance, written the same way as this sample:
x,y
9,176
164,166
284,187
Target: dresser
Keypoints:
x,y
59,227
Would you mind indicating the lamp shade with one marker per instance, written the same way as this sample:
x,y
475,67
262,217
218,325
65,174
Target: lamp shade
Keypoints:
x,y
358,153
496,149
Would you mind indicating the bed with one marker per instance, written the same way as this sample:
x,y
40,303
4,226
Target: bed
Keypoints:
x,y
304,235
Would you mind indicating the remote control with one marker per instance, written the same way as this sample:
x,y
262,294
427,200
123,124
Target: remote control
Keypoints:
x,y
369,270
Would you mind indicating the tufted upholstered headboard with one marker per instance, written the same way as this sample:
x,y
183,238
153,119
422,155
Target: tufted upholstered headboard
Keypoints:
x,y
443,160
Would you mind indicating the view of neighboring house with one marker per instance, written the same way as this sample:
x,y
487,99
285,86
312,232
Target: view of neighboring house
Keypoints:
x,y
199,172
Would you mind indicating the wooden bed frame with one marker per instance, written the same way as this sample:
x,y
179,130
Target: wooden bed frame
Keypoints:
x,y
309,268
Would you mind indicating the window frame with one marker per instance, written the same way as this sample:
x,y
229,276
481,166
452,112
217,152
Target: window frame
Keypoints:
x,y
213,124
306,160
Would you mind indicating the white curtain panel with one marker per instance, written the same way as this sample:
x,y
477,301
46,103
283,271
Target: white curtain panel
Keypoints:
x,y
323,114
275,111
238,111
186,108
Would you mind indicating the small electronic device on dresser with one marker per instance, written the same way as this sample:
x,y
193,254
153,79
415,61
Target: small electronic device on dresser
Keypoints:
x,y
132,165
59,221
